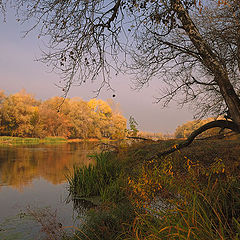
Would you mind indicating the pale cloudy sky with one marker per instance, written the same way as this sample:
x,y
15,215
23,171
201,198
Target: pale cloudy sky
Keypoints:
x,y
18,70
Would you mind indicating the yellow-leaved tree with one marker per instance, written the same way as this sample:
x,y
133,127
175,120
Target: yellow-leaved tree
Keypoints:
x,y
19,114
53,118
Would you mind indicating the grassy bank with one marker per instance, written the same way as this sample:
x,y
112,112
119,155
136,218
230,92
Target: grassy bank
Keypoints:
x,y
104,185
191,194
5,140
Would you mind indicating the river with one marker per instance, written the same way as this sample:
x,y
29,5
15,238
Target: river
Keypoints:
x,y
33,180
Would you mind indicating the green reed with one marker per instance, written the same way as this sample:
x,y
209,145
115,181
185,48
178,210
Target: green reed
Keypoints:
x,y
101,179
176,197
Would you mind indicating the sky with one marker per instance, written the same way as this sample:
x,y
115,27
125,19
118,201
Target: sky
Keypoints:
x,y
20,70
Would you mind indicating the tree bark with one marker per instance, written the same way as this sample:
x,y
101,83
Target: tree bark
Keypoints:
x,y
210,60
218,123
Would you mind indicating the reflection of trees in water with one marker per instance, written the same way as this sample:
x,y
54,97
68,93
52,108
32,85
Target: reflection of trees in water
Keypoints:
x,y
20,165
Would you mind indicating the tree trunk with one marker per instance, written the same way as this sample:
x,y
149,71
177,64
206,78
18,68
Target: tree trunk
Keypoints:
x,y
210,60
218,123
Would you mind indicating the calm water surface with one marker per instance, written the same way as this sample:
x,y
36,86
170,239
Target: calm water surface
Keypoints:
x,y
35,177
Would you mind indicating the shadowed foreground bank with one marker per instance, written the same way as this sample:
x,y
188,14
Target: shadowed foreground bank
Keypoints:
x,y
190,194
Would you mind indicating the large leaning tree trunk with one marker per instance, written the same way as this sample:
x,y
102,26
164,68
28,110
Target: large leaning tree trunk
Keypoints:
x,y
210,60
219,71
224,124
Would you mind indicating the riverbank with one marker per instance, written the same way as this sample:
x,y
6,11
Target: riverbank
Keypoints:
x,y
7,140
191,194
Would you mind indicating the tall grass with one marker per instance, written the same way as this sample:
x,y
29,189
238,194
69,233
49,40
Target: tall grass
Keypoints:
x,y
204,202
104,179
101,179
170,198
197,217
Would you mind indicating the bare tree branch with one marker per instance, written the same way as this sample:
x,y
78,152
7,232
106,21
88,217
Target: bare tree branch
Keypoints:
x,y
194,55
218,123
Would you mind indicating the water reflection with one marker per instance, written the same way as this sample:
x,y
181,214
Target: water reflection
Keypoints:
x,y
20,165
35,176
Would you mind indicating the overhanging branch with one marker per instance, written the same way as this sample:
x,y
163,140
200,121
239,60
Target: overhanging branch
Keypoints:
x,y
218,123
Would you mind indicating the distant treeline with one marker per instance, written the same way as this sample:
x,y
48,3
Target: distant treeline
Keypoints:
x,y
21,115
155,136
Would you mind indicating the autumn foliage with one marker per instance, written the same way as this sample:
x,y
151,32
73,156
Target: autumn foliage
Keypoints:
x,y
21,115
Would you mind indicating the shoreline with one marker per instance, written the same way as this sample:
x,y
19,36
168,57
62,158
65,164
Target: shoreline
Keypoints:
x,y
8,140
